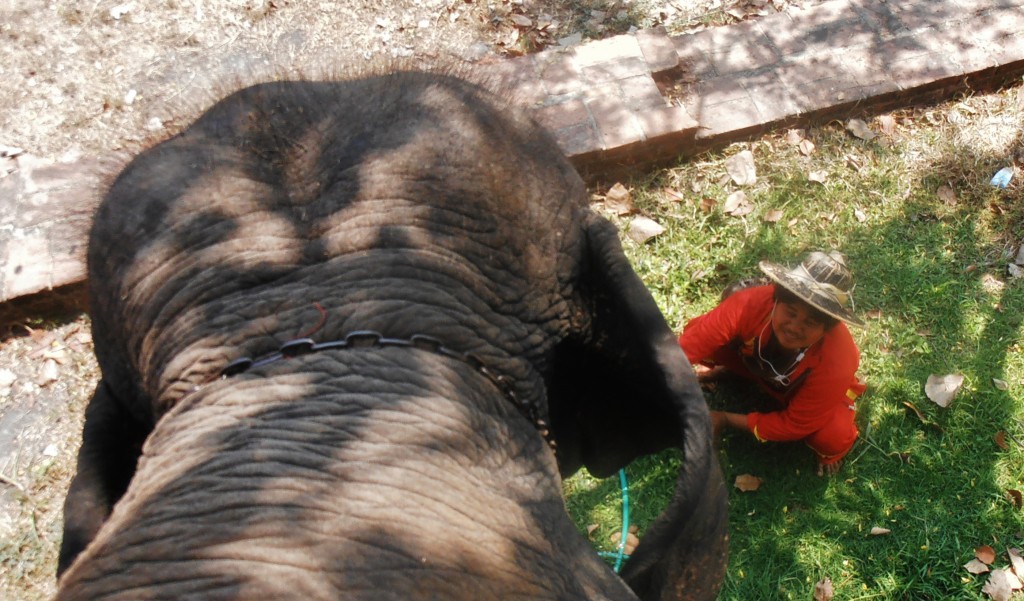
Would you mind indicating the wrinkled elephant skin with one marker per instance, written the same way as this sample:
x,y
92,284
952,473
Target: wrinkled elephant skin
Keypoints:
x,y
413,205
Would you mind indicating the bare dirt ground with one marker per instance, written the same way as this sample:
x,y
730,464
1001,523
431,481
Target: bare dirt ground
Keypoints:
x,y
97,77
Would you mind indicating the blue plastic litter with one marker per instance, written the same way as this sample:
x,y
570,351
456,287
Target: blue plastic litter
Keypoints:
x,y
1002,177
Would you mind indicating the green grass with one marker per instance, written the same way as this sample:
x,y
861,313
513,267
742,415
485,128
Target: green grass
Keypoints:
x,y
933,285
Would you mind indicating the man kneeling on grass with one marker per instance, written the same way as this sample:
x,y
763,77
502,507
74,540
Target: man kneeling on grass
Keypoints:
x,y
790,337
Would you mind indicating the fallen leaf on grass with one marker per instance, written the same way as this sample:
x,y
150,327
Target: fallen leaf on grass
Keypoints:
x,y
1001,584
942,389
823,590
1000,384
1016,561
819,177
887,124
860,215
707,204
737,205
920,416
591,528
878,531
619,200
741,168
985,554
860,129
642,229
794,136
748,483
1015,497
673,194
631,541
806,147
947,195
976,567
1000,439
773,216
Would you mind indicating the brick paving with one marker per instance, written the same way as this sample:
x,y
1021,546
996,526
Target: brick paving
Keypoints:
x,y
831,60
637,100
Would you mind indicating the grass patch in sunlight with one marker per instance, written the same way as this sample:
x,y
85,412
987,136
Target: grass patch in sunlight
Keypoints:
x,y
934,288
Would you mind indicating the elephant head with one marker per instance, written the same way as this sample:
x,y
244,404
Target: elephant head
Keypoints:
x,y
352,334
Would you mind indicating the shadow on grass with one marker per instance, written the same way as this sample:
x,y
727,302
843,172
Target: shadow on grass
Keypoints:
x,y
932,281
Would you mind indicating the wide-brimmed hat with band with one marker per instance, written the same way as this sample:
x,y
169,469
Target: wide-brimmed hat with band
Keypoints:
x,y
822,281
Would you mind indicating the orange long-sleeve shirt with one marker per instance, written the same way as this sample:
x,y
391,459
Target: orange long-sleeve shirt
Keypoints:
x,y
826,376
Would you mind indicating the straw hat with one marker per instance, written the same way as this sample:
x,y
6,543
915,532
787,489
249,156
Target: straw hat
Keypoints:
x,y
822,280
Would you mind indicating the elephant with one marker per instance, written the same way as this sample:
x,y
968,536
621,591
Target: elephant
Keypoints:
x,y
352,333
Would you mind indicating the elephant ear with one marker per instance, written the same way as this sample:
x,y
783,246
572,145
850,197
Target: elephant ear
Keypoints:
x,y
620,388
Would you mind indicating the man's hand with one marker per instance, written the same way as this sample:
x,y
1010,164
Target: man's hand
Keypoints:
x,y
708,374
724,419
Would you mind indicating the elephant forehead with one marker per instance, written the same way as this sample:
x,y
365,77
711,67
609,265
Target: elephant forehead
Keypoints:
x,y
218,221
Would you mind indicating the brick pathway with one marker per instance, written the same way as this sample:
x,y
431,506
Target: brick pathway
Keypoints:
x,y
636,100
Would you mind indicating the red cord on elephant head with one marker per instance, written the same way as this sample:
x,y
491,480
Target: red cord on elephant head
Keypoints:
x,y
319,324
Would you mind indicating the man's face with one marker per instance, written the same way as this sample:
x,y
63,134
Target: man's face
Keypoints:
x,y
796,325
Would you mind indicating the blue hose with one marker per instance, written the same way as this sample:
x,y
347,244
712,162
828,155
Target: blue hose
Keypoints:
x,y
620,554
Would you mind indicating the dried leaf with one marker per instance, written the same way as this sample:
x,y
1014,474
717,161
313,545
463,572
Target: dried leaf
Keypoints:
x,y
794,136
642,229
985,554
878,531
1016,561
887,124
1001,584
619,200
854,162
947,195
48,374
737,205
673,194
920,416
860,129
748,483
591,528
773,216
823,590
707,204
741,168
1015,497
860,215
806,147
1000,384
1000,439
942,389
522,21
818,176
631,541
976,567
